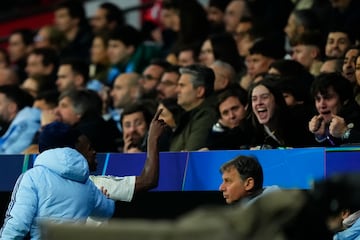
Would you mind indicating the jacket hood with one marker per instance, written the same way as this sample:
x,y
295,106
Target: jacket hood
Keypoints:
x,y
66,162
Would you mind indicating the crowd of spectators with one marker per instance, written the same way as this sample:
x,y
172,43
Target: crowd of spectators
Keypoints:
x,y
232,74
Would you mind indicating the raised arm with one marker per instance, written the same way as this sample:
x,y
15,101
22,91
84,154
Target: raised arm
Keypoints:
x,y
150,174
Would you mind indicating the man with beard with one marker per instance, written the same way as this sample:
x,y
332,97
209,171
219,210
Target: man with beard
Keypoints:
x,y
135,121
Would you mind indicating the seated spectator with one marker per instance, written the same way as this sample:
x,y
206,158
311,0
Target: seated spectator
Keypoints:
x,y
73,73
274,125
37,84
151,77
307,50
231,131
221,46
261,55
135,121
70,19
49,36
168,83
338,41
99,61
348,67
19,46
23,120
42,61
83,110
188,55
338,117
195,86
171,113
107,17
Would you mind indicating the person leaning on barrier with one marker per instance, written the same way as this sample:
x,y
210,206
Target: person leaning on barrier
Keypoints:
x,y
57,188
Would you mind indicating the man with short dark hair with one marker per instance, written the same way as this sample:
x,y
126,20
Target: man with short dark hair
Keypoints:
x,y
107,17
70,20
243,180
73,73
42,61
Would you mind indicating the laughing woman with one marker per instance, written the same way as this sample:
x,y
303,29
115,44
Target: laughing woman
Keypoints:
x,y
274,124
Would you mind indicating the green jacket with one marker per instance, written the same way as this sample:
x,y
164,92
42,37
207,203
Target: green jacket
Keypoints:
x,y
193,129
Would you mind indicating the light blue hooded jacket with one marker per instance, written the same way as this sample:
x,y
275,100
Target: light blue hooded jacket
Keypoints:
x,y
57,188
351,233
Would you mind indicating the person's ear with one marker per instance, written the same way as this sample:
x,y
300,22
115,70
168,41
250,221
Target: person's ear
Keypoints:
x,y
345,213
249,184
200,92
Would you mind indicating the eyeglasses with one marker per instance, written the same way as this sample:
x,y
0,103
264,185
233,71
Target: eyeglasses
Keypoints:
x,y
149,77
167,83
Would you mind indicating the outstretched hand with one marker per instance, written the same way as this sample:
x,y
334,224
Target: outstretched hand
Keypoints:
x,y
157,126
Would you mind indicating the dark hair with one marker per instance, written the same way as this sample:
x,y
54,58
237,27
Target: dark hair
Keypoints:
x,y
58,135
219,4
307,18
268,47
75,8
238,92
340,84
201,76
225,49
161,63
294,70
349,33
50,97
44,82
113,13
127,34
138,107
173,68
313,38
173,107
78,66
27,35
247,166
17,95
49,56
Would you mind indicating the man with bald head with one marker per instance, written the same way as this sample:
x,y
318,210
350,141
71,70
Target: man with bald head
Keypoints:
x,y
125,91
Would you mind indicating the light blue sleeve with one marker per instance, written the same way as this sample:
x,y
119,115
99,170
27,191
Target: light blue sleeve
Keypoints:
x,y
352,233
18,137
21,210
104,207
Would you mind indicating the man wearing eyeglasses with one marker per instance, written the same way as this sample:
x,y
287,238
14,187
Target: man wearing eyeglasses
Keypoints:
x,y
167,86
151,77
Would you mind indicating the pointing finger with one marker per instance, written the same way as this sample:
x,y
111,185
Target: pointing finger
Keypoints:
x,y
157,114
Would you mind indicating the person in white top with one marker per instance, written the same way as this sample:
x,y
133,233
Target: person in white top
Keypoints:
x,y
124,188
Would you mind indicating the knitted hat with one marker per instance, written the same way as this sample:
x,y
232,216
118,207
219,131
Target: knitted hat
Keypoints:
x,y
57,135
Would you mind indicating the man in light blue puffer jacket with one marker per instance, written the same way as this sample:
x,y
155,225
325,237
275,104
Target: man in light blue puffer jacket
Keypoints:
x,y
57,188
